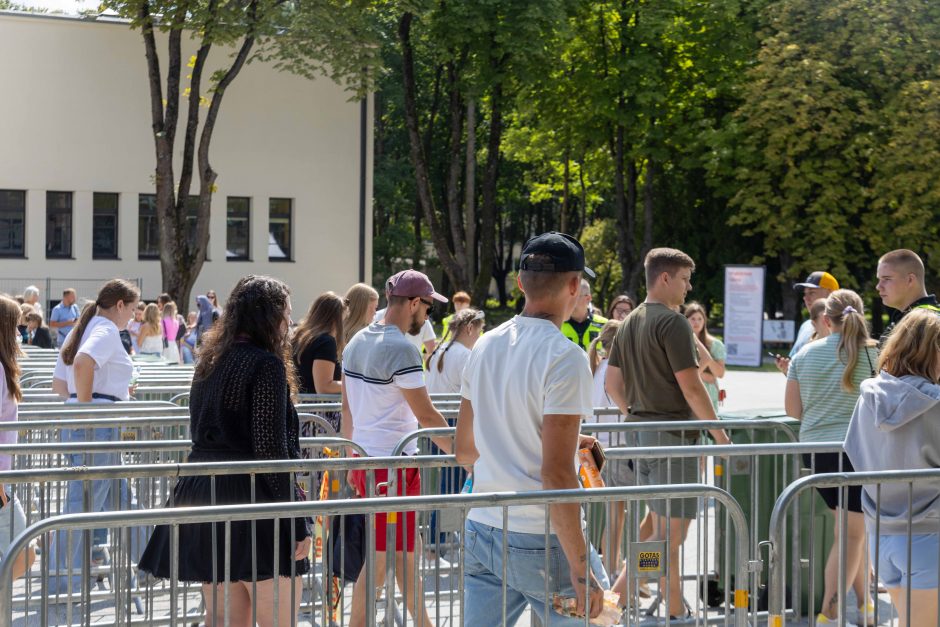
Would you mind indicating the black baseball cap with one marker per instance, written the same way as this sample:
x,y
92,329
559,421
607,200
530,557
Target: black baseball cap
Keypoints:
x,y
565,253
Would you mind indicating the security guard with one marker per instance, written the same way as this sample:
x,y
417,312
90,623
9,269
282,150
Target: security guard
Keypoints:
x,y
584,325
901,286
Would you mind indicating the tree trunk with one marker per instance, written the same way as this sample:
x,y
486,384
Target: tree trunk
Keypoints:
x,y
566,177
183,254
418,157
455,217
636,274
488,213
583,197
469,187
788,296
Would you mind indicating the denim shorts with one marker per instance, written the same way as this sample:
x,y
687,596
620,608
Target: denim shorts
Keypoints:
x,y
893,567
533,567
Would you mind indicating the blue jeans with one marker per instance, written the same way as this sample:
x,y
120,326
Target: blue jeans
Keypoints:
x,y
525,573
103,496
187,352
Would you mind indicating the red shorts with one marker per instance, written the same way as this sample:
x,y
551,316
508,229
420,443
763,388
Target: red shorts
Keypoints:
x,y
410,485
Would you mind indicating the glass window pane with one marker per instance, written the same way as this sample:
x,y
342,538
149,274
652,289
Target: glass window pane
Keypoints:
x,y
58,224
238,231
280,218
148,237
12,222
104,234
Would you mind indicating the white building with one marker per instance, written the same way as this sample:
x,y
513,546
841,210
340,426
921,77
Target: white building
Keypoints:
x,y
294,159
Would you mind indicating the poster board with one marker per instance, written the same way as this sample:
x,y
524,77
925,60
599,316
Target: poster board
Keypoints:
x,y
744,314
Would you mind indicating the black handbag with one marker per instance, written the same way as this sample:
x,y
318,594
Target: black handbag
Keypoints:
x,y
347,546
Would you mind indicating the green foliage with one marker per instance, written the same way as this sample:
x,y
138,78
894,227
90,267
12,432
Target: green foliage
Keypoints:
x,y
793,133
600,252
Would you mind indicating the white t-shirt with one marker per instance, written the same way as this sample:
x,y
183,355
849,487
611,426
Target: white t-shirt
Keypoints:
x,y
448,380
378,364
600,398
516,374
113,366
425,335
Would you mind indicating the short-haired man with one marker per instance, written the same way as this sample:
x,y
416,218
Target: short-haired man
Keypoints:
x,y
525,389
901,286
817,285
585,324
384,398
64,316
652,375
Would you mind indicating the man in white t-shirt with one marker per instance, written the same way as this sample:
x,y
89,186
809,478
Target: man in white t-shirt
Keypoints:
x,y
525,390
384,399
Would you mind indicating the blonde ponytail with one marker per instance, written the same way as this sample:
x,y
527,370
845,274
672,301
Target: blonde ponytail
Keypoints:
x,y
846,312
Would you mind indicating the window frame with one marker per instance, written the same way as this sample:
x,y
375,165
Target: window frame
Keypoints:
x,y
141,255
14,254
290,229
117,223
247,220
58,211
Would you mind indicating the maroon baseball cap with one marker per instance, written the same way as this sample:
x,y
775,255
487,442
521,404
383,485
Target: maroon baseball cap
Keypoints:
x,y
412,284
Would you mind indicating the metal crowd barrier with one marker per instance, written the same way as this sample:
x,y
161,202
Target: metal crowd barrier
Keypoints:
x,y
38,427
175,602
782,517
755,474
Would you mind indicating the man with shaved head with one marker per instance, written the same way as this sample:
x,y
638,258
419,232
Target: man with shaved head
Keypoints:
x,y
901,286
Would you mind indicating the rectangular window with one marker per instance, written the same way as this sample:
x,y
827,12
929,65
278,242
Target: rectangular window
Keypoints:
x,y
58,224
238,229
148,237
12,222
280,221
104,226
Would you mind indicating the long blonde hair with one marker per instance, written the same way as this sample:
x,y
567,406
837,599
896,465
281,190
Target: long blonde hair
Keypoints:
x,y
601,344
358,298
152,319
9,347
846,312
463,319
913,346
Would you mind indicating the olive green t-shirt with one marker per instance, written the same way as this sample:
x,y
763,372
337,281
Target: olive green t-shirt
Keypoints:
x,y
652,344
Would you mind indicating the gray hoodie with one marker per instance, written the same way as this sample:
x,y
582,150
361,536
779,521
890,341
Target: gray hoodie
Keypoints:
x,y
896,426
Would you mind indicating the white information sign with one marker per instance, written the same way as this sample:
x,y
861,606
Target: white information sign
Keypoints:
x,y
779,331
744,314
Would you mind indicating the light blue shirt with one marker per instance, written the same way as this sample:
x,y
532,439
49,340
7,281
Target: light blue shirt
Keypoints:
x,y
62,313
802,337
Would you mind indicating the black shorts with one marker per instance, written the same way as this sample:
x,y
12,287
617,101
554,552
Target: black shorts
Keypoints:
x,y
829,463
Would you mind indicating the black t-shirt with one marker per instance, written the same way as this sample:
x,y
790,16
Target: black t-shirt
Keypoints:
x,y
322,347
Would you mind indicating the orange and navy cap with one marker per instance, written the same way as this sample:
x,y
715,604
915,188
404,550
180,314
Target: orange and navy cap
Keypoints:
x,y
819,279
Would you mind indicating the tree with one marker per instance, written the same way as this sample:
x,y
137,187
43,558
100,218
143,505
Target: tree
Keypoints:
x,y
480,51
322,37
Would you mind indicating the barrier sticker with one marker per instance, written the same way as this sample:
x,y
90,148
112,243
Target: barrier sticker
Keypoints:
x,y
648,559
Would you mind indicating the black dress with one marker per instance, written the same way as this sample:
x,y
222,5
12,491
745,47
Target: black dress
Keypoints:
x,y
242,411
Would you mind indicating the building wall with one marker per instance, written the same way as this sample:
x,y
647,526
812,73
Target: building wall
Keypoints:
x,y
75,117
